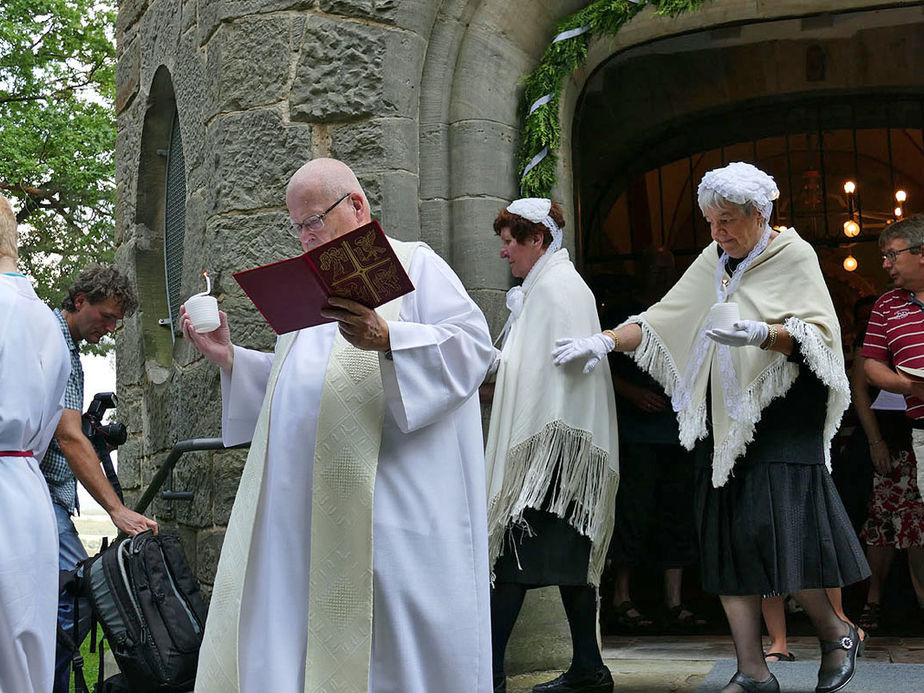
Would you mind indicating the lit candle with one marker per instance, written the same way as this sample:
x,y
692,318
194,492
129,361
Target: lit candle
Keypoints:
x,y
208,285
203,309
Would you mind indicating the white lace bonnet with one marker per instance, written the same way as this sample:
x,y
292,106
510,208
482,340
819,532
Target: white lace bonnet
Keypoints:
x,y
741,183
536,210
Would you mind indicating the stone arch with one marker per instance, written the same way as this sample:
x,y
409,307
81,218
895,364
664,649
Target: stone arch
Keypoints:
x,y
477,53
659,98
716,78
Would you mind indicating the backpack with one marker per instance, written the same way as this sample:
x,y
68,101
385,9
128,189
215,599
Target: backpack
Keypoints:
x,y
148,604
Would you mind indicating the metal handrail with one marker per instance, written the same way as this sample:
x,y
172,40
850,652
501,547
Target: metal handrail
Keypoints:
x,y
182,447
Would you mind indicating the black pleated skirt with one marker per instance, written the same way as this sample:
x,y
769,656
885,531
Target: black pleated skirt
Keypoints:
x,y
775,527
551,552
778,524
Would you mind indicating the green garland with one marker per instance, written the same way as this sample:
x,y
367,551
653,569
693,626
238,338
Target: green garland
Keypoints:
x,y
542,129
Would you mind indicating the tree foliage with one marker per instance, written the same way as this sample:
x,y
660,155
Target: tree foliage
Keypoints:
x,y
57,134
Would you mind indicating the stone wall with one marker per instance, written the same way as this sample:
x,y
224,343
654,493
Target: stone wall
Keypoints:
x,y
420,97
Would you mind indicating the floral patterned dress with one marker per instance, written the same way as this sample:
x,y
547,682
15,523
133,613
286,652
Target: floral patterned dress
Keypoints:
x,y
896,511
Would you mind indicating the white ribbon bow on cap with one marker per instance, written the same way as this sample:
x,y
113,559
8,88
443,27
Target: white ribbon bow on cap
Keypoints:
x,y
536,210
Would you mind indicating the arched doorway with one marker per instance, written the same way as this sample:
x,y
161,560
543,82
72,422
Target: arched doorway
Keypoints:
x,y
819,102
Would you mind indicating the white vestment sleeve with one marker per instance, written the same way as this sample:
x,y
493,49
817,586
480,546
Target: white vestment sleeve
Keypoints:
x,y
242,394
440,347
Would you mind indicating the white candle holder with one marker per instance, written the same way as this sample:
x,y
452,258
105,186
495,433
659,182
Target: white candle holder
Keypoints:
x,y
203,309
724,315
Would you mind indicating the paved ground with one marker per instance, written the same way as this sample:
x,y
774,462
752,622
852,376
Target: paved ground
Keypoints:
x,y
668,664
92,525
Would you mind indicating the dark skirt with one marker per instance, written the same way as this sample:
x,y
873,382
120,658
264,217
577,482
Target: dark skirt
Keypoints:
x,y
551,552
774,528
777,525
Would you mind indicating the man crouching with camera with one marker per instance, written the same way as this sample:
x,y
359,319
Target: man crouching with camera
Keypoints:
x,y
93,308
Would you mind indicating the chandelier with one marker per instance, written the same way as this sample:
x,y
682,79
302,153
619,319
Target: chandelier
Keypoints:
x,y
855,222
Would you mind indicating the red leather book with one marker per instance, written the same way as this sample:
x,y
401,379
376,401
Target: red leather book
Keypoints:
x,y
360,265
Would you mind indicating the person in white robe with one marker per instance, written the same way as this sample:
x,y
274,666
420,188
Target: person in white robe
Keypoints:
x,y
34,367
552,447
305,599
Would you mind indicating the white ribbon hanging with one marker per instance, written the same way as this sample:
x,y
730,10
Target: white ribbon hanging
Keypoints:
x,y
544,99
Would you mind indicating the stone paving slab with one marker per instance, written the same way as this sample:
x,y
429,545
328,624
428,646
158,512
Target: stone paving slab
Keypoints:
x,y
671,664
634,676
714,647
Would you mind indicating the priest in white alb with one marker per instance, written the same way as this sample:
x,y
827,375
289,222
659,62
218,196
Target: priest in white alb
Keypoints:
x,y
34,366
356,554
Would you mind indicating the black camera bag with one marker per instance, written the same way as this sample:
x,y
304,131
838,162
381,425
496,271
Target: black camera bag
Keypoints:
x,y
148,604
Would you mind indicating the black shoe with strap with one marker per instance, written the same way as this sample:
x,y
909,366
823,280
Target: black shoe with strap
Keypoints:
x,y
834,679
749,685
679,619
620,619
780,656
596,681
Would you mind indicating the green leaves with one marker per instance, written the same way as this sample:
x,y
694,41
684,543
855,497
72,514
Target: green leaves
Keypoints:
x,y
542,129
57,134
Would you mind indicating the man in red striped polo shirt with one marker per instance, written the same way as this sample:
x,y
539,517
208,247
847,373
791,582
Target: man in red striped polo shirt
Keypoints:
x,y
895,336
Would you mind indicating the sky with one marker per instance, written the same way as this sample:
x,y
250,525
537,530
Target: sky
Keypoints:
x,y
98,376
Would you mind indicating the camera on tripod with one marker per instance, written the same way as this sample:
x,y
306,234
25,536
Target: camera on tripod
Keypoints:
x,y
112,434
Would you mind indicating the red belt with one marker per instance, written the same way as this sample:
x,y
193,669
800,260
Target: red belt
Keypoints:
x,y
15,453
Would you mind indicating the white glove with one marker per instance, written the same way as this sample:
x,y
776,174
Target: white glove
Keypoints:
x,y
592,348
744,333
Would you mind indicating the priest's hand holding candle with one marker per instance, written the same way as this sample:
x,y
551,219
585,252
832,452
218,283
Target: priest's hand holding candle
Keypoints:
x,y
206,328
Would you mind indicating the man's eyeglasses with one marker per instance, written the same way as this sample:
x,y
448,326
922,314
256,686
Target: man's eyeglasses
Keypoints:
x,y
316,221
892,255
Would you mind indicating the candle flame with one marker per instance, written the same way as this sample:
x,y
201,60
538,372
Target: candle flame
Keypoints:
x,y
208,284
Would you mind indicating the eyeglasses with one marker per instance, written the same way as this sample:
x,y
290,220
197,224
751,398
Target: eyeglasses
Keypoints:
x,y
892,255
316,221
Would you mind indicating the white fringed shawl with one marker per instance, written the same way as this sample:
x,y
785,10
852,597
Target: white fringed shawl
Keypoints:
x,y
784,285
543,414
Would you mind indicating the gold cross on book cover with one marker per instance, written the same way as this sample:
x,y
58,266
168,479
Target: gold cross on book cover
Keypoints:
x,y
359,265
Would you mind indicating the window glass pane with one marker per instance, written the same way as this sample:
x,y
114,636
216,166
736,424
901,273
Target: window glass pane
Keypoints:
x,y
175,223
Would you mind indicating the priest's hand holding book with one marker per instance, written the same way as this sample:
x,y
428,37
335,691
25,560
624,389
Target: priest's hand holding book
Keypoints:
x,y
360,326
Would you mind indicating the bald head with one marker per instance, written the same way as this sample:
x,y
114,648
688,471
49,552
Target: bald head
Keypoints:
x,y
328,178
8,235
326,187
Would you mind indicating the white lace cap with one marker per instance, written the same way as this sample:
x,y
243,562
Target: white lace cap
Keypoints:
x,y
740,182
536,210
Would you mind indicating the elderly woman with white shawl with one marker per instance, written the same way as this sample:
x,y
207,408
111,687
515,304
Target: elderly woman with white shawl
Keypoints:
x,y
760,400
551,451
